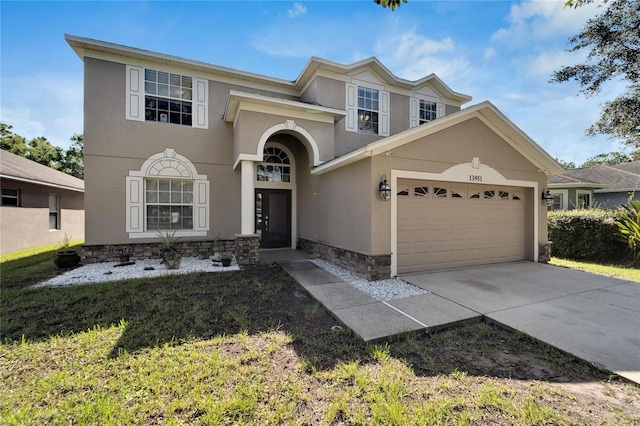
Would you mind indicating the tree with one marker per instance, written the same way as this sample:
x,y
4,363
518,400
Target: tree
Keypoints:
x,y
11,142
390,3
41,151
73,160
613,41
609,158
566,164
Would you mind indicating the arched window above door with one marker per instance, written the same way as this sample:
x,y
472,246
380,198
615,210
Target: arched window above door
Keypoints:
x,y
275,167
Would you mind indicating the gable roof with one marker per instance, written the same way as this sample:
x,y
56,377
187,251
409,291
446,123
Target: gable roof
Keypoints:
x,y
315,64
22,169
485,111
89,47
618,177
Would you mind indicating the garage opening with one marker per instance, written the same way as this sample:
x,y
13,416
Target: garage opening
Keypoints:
x,y
448,224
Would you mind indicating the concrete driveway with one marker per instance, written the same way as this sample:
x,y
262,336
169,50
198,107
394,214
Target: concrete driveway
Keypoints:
x,y
592,317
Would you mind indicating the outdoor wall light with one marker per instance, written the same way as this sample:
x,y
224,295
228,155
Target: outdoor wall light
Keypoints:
x,y
547,198
385,189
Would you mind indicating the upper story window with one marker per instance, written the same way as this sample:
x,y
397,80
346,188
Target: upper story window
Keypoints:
x,y
10,197
367,109
368,106
159,96
424,109
168,97
428,111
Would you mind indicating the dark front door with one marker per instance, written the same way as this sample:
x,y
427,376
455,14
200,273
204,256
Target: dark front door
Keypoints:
x,y
273,217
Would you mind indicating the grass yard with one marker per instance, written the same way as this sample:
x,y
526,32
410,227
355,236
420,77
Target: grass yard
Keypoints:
x,y
627,272
252,347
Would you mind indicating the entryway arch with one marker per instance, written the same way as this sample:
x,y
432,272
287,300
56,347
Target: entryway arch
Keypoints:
x,y
275,197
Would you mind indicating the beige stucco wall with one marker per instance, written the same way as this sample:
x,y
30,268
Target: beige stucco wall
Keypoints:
x,y
456,145
335,208
251,126
114,146
27,226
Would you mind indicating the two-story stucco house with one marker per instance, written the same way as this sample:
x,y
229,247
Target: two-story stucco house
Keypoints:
x,y
205,151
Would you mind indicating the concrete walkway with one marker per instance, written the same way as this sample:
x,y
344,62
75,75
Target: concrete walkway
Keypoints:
x,y
592,317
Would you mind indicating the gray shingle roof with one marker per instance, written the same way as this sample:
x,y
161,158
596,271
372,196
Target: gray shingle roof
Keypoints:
x,y
620,176
18,168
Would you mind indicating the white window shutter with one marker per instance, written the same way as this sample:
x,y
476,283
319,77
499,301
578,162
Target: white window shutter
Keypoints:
x,y
134,99
200,103
135,204
201,205
351,103
440,110
414,112
383,129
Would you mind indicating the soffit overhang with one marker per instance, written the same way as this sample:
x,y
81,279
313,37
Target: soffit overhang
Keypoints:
x,y
315,65
485,111
87,47
40,183
238,101
577,185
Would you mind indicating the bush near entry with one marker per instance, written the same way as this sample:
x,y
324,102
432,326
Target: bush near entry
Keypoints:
x,y
588,234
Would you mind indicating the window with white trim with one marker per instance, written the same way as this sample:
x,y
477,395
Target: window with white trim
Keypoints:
x,y
368,107
583,199
10,197
160,96
54,211
276,166
167,193
428,111
167,97
424,109
168,203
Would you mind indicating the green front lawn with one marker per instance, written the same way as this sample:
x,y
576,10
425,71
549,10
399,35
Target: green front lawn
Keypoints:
x,y
627,272
253,347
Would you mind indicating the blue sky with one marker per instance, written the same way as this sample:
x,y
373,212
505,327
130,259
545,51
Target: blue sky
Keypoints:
x,y
500,51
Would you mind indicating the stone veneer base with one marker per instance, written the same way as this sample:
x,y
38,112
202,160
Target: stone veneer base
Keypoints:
x,y
244,247
370,267
544,251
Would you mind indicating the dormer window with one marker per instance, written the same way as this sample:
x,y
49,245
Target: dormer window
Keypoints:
x,y
424,109
368,107
428,111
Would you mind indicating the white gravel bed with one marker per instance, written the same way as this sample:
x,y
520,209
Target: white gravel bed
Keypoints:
x,y
382,290
108,271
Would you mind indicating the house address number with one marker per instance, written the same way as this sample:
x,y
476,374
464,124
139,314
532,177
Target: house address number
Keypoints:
x,y
475,178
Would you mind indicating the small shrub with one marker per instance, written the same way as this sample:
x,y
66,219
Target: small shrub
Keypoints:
x,y
585,235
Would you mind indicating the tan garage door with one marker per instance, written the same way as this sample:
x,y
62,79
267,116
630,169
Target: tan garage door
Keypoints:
x,y
444,225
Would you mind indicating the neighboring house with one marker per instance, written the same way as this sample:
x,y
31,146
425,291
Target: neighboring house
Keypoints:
x,y
598,186
183,146
39,205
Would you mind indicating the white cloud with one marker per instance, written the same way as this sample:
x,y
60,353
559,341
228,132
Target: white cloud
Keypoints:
x,y
489,53
543,19
297,10
412,56
545,63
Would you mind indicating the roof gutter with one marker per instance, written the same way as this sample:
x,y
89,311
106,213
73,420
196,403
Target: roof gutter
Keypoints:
x,y
36,182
